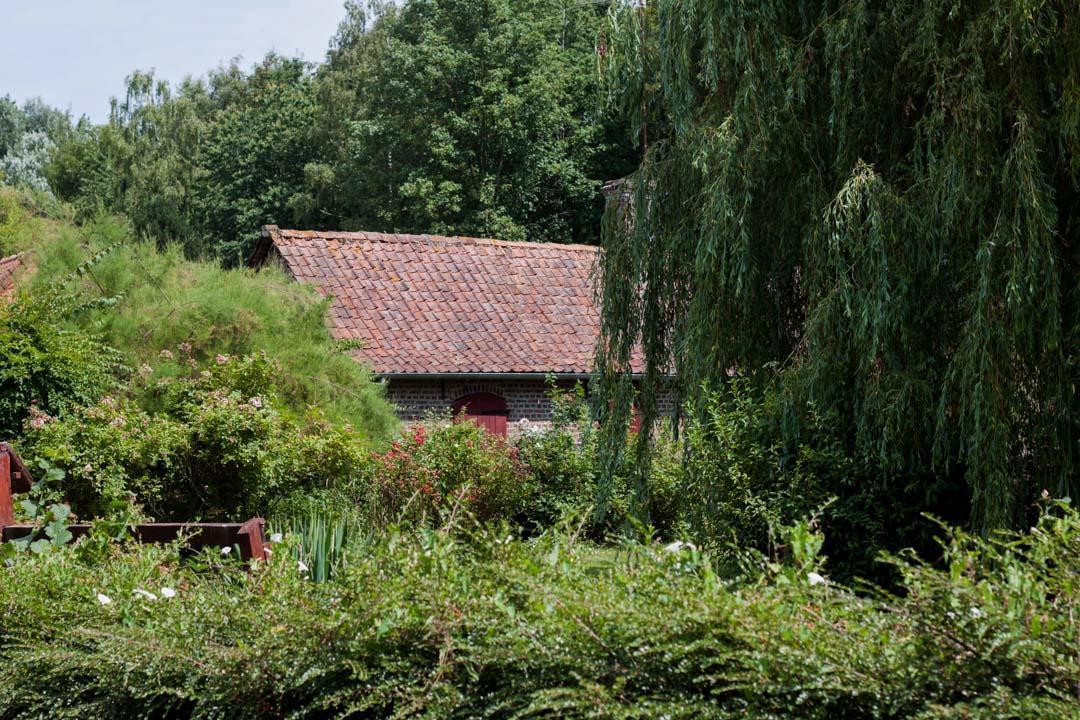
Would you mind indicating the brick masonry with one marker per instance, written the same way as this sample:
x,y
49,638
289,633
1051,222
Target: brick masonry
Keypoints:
x,y
527,401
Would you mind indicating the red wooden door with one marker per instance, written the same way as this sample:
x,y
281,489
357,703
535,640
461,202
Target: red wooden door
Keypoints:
x,y
485,409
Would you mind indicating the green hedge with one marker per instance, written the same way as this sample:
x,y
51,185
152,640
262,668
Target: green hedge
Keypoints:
x,y
442,626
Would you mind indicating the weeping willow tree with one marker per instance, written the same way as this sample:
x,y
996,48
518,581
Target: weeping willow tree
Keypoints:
x,y
872,204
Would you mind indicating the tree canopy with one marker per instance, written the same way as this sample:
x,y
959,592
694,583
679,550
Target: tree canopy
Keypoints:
x,y
479,117
872,206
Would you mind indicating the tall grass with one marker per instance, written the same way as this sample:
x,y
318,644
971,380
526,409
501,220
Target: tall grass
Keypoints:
x,y
166,300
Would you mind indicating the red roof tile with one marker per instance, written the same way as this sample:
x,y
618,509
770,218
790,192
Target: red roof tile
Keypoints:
x,y
436,305
9,267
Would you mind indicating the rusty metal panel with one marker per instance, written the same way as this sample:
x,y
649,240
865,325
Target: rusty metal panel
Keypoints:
x,y
7,508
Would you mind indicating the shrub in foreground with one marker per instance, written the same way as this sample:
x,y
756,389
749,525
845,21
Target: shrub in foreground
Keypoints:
x,y
469,626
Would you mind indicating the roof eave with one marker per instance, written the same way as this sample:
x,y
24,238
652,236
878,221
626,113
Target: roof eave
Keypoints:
x,y
493,375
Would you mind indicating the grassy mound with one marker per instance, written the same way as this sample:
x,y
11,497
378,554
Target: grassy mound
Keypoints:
x,y
147,303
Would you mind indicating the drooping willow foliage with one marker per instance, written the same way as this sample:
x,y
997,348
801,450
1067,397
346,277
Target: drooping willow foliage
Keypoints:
x,y
872,204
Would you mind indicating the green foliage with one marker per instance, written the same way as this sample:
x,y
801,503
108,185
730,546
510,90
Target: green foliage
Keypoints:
x,y
877,202
467,117
478,117
44,368
27,136
446,474
154,306
211,444
205,166
755,461
49,519
440,626
564,462
322,540
254,157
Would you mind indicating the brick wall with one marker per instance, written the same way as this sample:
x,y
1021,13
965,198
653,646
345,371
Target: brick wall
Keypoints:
x,y
526,400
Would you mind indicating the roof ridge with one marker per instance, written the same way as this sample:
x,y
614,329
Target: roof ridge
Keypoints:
x,y
374,236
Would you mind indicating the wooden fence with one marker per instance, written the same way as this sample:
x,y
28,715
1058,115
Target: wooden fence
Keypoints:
x,y
249,537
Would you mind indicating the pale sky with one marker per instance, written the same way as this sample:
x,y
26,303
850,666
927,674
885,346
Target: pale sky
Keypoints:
x,y
75,54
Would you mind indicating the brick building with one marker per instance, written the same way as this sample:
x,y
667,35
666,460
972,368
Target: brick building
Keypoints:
x,y
453,322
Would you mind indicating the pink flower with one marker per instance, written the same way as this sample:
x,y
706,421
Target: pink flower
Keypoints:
x,y
166,354
221,359
38,418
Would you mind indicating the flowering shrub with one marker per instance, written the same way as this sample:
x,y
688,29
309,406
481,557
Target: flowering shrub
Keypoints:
x,y
446,471
212,444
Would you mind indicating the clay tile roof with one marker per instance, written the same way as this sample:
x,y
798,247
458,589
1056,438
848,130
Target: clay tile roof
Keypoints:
x,y
429,304
9,267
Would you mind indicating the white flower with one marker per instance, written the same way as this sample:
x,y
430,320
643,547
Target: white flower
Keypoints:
x,y
976,612
815,579
144,593
168,592
301,566
226,550
166,354
103,598
276,538
255,402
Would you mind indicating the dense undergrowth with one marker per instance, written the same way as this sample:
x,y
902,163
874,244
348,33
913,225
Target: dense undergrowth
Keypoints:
x,y
473,624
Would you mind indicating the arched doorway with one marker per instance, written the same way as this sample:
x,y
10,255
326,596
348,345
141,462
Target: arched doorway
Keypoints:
x,y
485,409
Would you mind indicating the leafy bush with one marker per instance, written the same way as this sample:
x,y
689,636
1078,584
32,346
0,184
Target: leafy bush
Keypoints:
x,y
443,626
563,462
44,368
212,444
24,164
747,472
447,471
